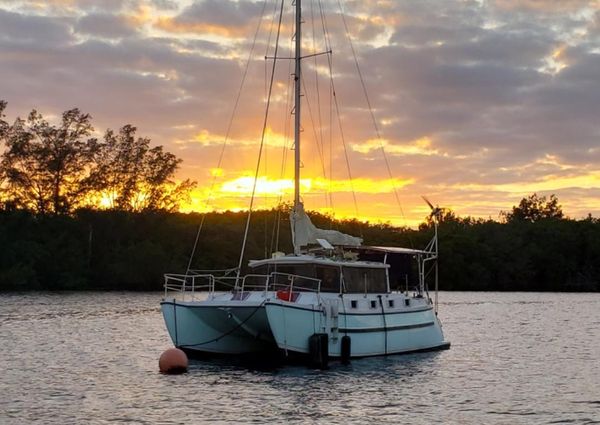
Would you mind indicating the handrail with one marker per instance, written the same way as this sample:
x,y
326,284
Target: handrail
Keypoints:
x,y
252,276
192,282
214,271
181,283
293,277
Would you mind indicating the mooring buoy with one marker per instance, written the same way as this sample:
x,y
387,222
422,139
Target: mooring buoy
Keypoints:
x,y
173,361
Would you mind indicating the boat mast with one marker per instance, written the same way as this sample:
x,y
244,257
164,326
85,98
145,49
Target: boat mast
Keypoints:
x,y
297,83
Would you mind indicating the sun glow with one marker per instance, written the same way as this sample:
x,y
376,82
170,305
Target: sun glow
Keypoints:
x,y
277,187
421,146
264,186
272,138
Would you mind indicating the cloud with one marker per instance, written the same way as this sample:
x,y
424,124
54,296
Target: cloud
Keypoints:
x,y
477,102
422,146
225,18
24,29
104,25
543,6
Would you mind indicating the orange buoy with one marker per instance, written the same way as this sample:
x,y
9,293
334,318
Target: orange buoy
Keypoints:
x,y
173,361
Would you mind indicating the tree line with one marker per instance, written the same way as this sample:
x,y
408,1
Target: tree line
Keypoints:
x,y
82,212
57,168
119,250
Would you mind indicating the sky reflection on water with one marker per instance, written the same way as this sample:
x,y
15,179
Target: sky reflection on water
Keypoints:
x,y
92,358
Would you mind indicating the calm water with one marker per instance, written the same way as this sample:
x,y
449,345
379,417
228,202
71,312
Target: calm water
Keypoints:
x,y
93,358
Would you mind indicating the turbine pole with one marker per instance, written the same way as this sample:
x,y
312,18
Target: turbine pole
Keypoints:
x,y
436,265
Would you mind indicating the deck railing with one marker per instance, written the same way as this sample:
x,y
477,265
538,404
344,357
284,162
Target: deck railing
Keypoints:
x,y
189,283
307,284
208,282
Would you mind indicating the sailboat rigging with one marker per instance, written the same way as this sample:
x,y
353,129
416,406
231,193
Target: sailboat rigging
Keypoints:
x,y
331,297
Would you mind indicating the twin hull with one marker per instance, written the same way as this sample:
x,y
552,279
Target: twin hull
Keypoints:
x,y
263,323
218,327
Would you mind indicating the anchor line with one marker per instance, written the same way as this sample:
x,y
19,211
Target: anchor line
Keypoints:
x,y
228,332
385,331
345,315
175,319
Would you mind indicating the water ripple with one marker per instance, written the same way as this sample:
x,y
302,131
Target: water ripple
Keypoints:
x,y
92,358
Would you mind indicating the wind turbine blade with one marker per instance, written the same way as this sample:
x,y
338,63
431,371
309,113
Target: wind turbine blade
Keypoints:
x,y
428,203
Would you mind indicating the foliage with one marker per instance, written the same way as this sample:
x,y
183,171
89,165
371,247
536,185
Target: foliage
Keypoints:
x,y
56,169
535,208
47,167
136,177
128,250
47,241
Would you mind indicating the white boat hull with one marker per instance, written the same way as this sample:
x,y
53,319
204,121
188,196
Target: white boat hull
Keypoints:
x,y
265,323
220,327
371,334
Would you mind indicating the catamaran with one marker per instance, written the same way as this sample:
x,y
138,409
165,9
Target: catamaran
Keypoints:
x,y
332,297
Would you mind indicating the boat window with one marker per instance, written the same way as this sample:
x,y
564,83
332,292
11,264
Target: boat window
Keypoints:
x,y
264,269
307,270
330,278
364,280
281,276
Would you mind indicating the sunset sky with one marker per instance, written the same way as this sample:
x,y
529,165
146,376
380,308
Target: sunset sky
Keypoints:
x,y
479,103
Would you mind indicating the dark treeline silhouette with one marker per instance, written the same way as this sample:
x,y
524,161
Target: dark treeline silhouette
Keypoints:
x,y
119,250
81,213
56,169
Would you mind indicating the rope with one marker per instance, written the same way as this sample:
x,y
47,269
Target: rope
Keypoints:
x,y
365,92
330,59
175,319
228,332
312,19
284,151
227,133
331,90
346,157
260,151
268,46
337,107
318,143
384,324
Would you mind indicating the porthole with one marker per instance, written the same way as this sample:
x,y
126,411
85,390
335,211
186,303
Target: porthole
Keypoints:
x,y
391,303
373,304
353,304
407,302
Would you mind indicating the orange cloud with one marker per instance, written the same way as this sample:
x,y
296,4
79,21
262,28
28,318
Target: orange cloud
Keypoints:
x,y
544,5
272,138
422,146
140,16
172,25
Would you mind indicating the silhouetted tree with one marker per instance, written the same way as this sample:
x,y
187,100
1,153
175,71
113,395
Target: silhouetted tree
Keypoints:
x,y
46,168
446,217
136,177
534,208
56,169
133,250
3,130
3,124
